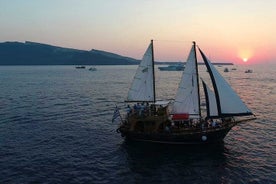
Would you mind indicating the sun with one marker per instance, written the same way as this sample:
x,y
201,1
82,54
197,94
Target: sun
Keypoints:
x,y
244,54
245,60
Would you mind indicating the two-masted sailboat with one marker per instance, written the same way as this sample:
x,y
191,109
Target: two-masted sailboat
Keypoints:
x,y
183,123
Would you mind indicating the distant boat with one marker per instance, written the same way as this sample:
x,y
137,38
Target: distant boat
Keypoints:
x,y
248,71
174,67
226,70
80,67
234,69
92,69
149,120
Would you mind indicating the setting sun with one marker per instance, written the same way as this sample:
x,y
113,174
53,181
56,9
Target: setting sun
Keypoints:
x,y
245,59
245,53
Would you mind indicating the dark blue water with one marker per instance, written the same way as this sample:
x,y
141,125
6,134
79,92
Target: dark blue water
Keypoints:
x,y
55,127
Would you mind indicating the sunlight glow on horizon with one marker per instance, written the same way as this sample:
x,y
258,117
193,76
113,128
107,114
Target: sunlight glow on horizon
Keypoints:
x,y
245,54
227,31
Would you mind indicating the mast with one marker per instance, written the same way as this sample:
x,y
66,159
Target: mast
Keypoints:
x,y
213,81
206,98
187,96
197,78
154,98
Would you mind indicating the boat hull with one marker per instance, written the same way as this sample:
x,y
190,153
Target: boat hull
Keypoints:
x,y
198,137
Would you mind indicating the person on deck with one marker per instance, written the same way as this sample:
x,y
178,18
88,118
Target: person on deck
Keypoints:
x,y
128,110
214,124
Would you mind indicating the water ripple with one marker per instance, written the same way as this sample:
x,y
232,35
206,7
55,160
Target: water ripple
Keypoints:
x,y
55,125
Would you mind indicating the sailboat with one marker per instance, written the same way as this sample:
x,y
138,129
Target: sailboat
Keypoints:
x,y
181,121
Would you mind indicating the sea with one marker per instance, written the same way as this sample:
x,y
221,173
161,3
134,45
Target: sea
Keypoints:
x,y
55,127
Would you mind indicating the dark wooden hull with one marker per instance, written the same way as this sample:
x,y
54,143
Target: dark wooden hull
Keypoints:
x,y
185,137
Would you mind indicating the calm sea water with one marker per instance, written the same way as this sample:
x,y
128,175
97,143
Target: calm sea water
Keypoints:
x,y
55,127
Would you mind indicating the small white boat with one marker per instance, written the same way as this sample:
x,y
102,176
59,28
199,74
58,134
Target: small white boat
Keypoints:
x,y
174,67
92,69
80,67
248,71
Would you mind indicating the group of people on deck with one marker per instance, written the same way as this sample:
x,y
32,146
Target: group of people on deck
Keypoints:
x,y
193,123
210,123
139,108
143,109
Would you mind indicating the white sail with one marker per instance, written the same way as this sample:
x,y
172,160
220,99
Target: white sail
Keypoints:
x,y
211,102
228,102
142,88
187,99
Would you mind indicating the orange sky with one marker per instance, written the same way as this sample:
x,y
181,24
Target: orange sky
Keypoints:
x,y
227,31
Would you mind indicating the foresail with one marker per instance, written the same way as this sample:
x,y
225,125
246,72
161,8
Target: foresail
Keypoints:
x,y
142,88
187,100
228,102
211,103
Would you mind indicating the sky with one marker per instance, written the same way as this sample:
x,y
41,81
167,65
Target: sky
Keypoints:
x,y
238,31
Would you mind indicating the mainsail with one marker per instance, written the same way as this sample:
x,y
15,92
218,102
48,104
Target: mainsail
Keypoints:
x,y
227,100
143,87
187,96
